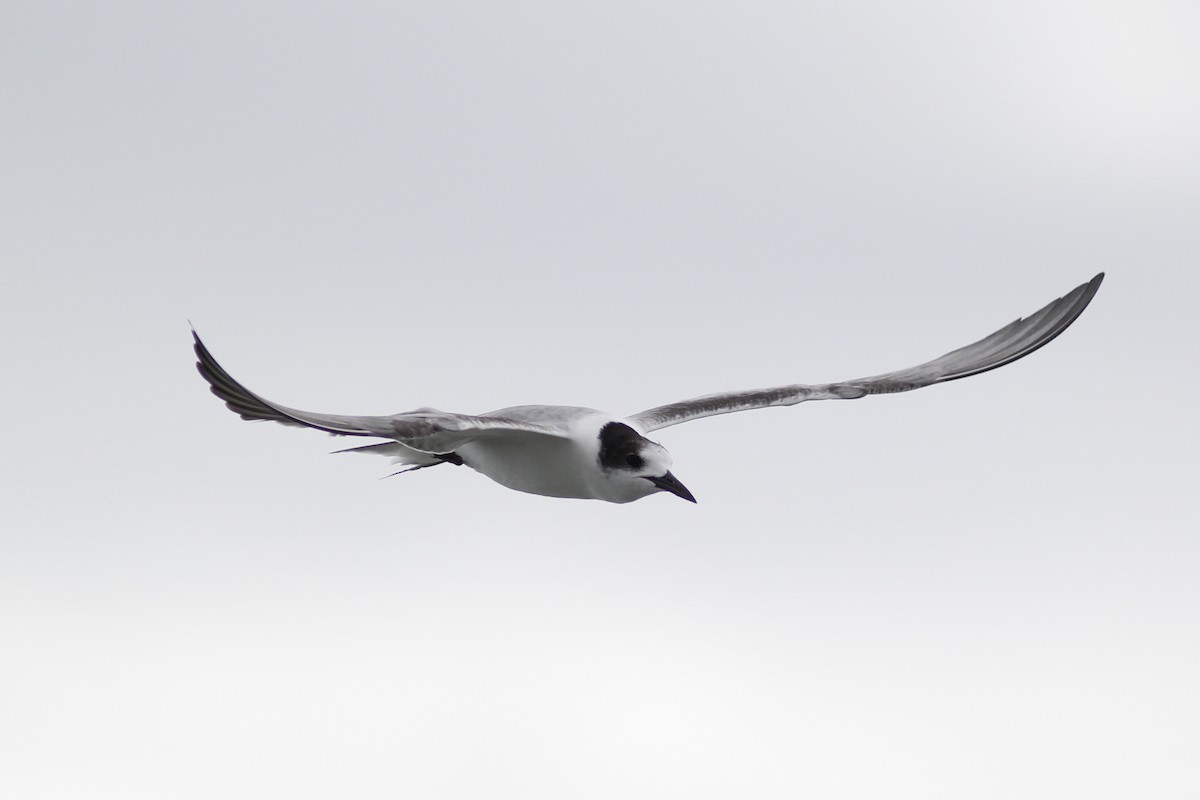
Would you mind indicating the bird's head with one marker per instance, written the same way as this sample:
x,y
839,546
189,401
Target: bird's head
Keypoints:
x,y
634,467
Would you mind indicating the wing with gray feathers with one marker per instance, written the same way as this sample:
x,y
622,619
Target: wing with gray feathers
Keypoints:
x,y
427,430
1006,345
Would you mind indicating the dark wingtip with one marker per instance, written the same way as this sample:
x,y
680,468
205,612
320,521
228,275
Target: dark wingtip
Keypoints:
x,y
237,398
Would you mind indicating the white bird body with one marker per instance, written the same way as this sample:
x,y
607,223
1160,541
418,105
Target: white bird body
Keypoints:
x,y
555,466
570,451
562,462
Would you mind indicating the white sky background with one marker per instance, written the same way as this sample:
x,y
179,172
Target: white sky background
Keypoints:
x,y
987,589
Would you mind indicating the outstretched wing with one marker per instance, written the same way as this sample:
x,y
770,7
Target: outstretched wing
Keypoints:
x,y
1006,345
427,430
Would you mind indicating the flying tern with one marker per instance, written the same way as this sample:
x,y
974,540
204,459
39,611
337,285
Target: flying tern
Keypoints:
x,y
569,451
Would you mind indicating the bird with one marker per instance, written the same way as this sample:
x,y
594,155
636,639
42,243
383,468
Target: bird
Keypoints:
x,y
577,452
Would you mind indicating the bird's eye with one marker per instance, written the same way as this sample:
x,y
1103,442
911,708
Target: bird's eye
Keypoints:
x,y
634,461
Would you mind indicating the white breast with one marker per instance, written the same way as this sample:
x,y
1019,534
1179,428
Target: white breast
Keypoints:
x,y
545,465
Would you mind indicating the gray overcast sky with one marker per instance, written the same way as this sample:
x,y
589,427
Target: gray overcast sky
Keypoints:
x,y
987,589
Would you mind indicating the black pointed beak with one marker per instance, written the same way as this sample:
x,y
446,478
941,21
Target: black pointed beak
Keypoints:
x,y
669,483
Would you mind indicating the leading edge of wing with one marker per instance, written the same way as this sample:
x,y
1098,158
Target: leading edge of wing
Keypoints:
x,y
1012,342
427,430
